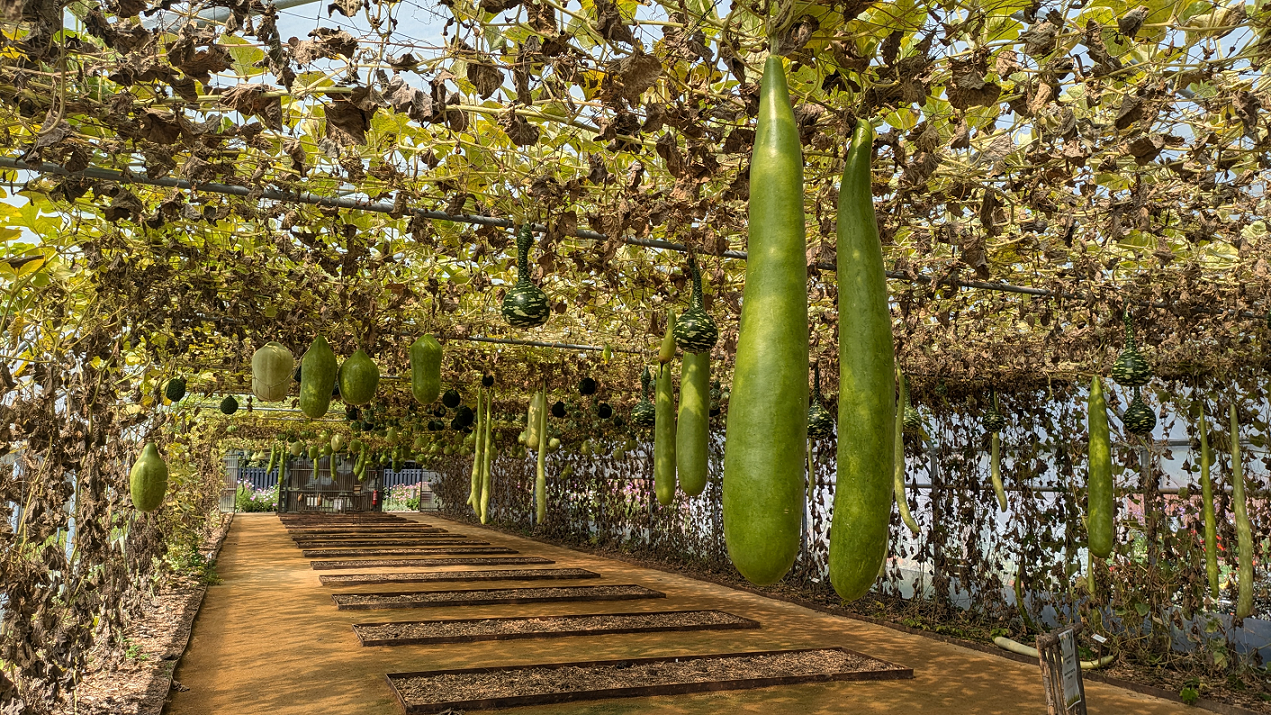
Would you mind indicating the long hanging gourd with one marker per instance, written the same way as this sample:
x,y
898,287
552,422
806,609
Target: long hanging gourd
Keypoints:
x,y
768,410
488,456
695,334
644,414
538,404
1244,533
1101,503
898,467
540,476
664,438
692,431
1207,506
525,304
474,491
994,422
867,409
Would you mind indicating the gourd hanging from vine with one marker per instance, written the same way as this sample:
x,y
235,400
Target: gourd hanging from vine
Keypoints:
x,y
994,422
695,331
1131,368
912,419
820,422
525,304
1138,417
644,414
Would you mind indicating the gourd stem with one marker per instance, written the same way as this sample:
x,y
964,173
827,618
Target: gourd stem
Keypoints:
x,y
697,300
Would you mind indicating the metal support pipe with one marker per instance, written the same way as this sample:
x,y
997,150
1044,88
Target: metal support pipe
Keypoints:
x,y
304,197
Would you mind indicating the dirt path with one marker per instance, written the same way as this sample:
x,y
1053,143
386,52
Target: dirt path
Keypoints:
x,y
270,640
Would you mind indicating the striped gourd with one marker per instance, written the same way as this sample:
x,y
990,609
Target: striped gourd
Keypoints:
x,y
1138,418
695,331
525,304
1131,369
644,414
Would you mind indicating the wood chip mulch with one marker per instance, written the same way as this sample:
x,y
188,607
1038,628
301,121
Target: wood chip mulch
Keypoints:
x,y
491,596
313,553
392,563
489,629
363,579
501,687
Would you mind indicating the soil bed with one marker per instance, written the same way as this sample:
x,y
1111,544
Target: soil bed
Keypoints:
x,y
365,579
485,688
490,596
313,553
324,544
393,563
497,629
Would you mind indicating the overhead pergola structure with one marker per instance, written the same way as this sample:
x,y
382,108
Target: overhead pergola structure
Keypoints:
x,y
186,184
1084,159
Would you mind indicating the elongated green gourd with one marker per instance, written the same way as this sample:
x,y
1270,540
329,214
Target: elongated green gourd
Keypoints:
x,y
1244,533
995,470
898,480
1207,507
1101,503
425,369
666,352
692,428
664,437
474,493
318,369
768,409
273,457
540,475
867,409
533,419
487,457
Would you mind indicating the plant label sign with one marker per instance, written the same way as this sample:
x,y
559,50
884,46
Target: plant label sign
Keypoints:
x,y
1061,672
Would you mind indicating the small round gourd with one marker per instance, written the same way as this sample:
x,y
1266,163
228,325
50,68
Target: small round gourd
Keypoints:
x,y
229,405
525,304
272,368
586,386
451,399
695,331
993,420
175,389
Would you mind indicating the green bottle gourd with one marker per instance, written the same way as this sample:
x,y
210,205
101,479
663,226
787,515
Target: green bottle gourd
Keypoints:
x,y
359,378
692,430
864,487
664,437
768,411
666,351
1207,506
474,492
695,331
898,467
425,369
540,472
148,480
1101,505
487,457
318,369
644,414
1244,533
995,422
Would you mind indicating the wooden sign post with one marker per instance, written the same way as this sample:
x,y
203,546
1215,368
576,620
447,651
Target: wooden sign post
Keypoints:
x,y
1061,671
